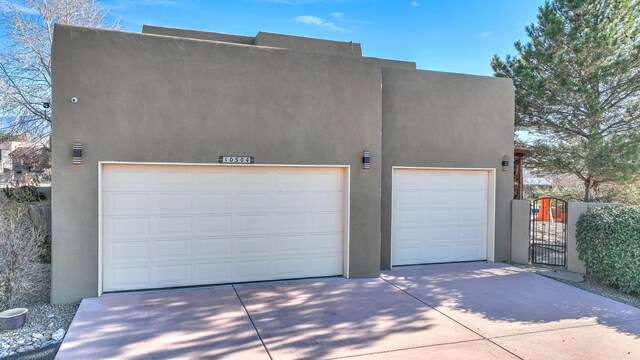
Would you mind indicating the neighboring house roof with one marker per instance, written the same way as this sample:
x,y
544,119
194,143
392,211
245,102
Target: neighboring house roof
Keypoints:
x,y
12,145
530,179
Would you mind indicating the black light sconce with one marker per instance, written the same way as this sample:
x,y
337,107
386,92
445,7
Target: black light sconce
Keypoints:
x,y
77,153
505,163
366,159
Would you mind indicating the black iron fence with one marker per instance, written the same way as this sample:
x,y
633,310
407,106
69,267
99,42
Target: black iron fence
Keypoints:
x,y
548,232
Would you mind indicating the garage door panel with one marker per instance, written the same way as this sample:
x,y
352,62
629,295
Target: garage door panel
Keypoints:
x,y
287,223
249,180
251,203
251,245
213,272
118,227
128,277
127,178
288,268
407,198
287,202
250,270
171,275
283,244
212,203
123,251
441,233
207,225
474,180
323,221
471,252
437,198
441,180
439,215
170,180
407,218
170,226
324,265
322,243
171,203
213,247
172,249
471,233
190,225
251,224
126,203
409,234
212,180
471,216
324,180
289,180
441,253
407,253
323,200
410,181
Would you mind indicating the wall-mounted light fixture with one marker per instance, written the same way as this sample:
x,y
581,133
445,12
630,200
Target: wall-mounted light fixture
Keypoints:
x,y
505,163
77,153
366,159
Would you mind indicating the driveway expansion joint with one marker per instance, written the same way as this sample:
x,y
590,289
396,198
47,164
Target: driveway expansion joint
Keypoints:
x,y
452,319
406,348
264,346
564,328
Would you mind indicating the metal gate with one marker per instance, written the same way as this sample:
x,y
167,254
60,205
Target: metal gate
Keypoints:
x,y
548,232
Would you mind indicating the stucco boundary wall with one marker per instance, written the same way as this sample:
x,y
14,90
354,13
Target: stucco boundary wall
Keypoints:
x,y
520,232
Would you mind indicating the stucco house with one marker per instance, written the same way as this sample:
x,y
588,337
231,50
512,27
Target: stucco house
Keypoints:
x,y
185,158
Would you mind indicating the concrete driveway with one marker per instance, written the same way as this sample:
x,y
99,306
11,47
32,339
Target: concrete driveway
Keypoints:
x,y
450,311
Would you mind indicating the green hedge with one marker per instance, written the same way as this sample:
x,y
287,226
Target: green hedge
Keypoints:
x,y
608,241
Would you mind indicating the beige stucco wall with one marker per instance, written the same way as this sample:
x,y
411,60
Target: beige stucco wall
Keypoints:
x,y
201,35
574,210
299,43
148,98
520,216
159,98
434,119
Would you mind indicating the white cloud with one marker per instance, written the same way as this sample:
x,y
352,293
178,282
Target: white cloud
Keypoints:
x,y
484,34
414,3
337,15
316,21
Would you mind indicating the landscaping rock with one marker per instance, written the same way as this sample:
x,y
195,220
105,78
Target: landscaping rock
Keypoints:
x,y
43,321
58,335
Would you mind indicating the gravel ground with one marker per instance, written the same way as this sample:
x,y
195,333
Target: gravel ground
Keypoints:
x,y
46,324
589,284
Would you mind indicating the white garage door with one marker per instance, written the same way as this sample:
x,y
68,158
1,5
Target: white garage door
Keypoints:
x,y
439,216
169,226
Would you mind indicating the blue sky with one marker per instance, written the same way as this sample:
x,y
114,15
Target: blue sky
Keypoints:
x,y
444,35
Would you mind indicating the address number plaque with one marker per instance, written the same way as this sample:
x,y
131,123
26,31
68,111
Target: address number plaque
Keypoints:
x,y
227,159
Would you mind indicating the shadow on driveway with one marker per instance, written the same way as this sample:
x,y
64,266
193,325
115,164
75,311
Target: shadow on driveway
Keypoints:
x,y
498,300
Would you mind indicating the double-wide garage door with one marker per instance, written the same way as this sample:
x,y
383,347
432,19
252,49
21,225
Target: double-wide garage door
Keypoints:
x,y
439,216
182,225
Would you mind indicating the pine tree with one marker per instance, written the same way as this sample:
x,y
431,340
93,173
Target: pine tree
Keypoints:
x,y
577,85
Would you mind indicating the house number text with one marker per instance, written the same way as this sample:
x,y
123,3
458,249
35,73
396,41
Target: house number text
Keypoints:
x,y
235,159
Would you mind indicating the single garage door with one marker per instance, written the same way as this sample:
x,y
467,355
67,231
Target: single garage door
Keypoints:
x,y
439,216
182,225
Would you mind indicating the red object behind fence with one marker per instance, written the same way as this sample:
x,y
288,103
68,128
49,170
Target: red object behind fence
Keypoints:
x,y
547,213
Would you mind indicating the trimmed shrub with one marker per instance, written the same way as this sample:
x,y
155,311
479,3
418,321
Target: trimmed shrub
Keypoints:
x,y
608,241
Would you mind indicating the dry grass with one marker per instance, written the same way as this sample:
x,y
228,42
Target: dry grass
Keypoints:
x,y
22,234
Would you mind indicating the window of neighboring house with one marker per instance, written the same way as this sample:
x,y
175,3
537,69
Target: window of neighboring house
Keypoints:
x,y
5,159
